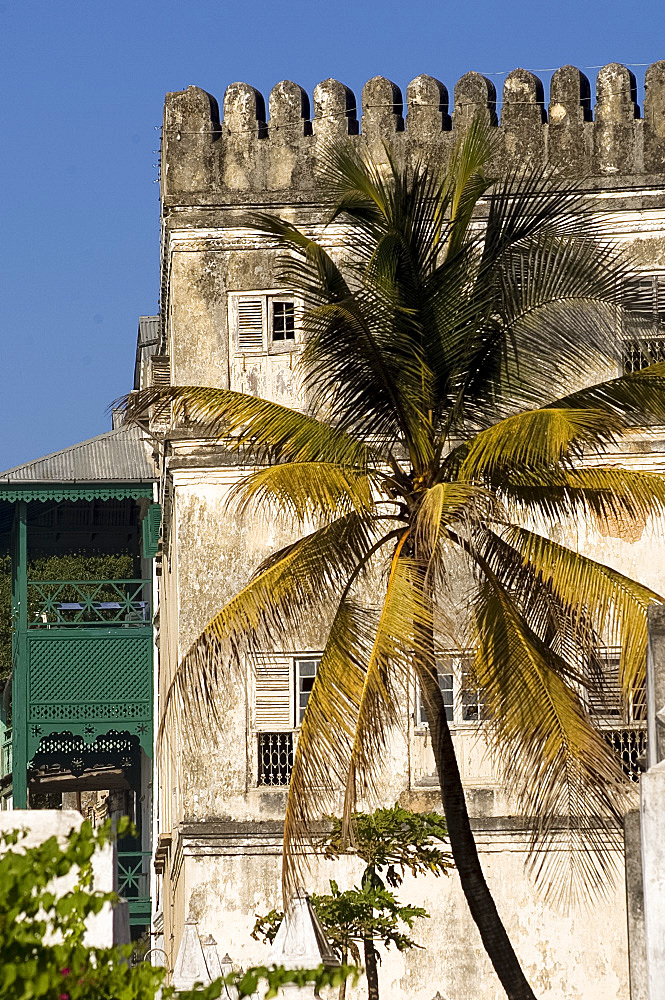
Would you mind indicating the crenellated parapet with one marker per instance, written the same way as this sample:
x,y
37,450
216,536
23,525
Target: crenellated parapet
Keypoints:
x,y
260,152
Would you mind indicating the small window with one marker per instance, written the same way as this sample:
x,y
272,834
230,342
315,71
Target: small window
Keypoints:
x,y
605,699
462,701
630,745
305,670
446,686
472,703
275,758
262,322
639,353
283,321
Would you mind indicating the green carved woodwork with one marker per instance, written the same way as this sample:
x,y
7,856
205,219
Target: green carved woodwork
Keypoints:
x,y
19,546
82,653
88,681
59,603
134,884
91,491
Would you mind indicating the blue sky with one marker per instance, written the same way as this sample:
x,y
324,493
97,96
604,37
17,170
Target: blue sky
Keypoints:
x,y
83,83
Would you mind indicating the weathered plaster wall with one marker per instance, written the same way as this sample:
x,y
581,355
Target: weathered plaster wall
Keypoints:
x,y
231,873
224,860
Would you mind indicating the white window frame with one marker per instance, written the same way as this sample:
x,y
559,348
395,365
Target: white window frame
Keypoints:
x,y
299,658
267,299
452,663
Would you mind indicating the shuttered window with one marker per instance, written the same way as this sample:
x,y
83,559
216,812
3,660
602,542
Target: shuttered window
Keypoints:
x,y
250,324
283,684
262,322
273,706
604,695
160,371
645,296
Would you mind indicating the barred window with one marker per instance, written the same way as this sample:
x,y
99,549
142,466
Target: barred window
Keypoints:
x,y
631,746
275,758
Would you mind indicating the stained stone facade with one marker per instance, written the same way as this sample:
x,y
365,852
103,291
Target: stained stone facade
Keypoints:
x,y
226,322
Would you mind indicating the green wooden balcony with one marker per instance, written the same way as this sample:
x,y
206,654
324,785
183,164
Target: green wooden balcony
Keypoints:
x,y
84,662
134,884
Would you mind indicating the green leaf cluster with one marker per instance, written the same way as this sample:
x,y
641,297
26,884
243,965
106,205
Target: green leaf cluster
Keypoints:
x,y
44,956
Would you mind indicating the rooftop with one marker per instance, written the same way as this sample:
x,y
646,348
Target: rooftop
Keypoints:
x,y
121,455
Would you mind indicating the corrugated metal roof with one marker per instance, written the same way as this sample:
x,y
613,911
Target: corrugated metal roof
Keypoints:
x,y
148,331
147,344
122,455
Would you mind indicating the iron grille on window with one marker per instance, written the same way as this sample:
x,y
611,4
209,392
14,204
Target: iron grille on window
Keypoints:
x,y
639,353
275,758
630,745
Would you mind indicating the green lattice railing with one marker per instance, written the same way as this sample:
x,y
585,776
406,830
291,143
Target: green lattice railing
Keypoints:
x,y
134,884
63,603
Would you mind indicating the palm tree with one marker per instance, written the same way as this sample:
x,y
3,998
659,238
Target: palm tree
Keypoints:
x,y
432,439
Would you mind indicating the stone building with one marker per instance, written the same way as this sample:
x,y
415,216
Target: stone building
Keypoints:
x,y
227,322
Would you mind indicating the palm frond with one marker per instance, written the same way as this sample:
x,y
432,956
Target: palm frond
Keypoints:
x,y
306,490
466,179
387,669
638,398
565,774
607,496
446,504
323,749
275,605
535,439
266,431
617,604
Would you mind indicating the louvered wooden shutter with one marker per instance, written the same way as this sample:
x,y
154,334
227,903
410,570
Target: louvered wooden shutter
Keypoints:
x,y
646,295
273,699
160,370
607,702
151,525
250,324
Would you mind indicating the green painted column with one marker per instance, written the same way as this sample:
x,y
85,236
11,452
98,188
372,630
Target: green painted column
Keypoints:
x,y
20,647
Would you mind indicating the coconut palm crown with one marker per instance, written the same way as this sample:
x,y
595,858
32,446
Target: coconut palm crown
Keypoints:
x,y
452,371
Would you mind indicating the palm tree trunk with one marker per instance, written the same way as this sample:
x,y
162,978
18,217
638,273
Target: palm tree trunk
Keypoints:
x,y
371,968
342,986
463,846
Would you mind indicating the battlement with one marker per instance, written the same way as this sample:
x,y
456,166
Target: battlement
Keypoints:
x,y
249,155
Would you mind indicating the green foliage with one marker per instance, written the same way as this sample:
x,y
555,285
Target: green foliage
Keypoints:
x,y
351,916
396,839
42,933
